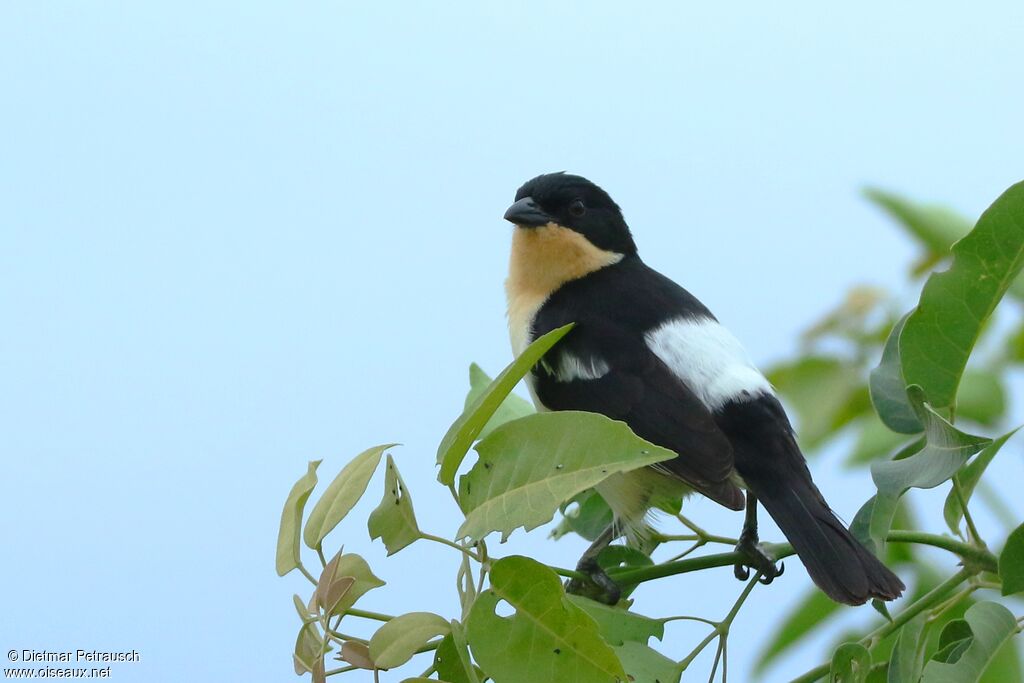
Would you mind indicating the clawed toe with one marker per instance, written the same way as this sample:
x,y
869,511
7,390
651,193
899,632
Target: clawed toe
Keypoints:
x,y
759,560
601,587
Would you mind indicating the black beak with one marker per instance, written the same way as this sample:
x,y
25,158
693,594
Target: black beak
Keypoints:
x,y
525,212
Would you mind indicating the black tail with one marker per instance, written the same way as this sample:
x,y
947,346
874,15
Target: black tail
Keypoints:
x,y
836,561
774,470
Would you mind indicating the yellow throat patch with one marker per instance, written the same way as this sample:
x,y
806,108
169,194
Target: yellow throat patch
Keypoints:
x,y
543,259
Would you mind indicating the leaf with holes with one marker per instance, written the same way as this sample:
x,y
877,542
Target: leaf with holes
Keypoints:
x,y
991,625
342,495
288,536
969,477
465,430
512,408
940,333
548,638
397,640
617,625
393,521
528,467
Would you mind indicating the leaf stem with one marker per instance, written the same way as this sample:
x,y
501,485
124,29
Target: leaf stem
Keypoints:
x,y
444,541
971,553
972,531
341,670
306,573
376,616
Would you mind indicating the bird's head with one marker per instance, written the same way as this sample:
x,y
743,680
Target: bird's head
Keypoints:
x,y
560,201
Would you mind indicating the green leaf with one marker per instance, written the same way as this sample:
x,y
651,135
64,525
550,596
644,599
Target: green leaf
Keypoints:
x,y
1011,562
809,613
452,659
874,440
512,408
936,227
992,625
357,654
981,398
397,640
353,566
945,451
309,648
969,477
617,625
588,518
467,428
548,638
1006,664
888,388
393,521
342,495
826,393
907,659
528,467
940,333
851,663
954,640
646,665
291,520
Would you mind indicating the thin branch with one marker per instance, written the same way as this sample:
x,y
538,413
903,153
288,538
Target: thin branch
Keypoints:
x,y
376,616
972,553
972,531
444,541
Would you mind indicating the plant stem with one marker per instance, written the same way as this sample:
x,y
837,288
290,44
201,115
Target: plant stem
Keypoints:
x,y
444,541
376,616
972,531
320,554
658,571
710,538
306,573
930,599
972,553
721,628
342,670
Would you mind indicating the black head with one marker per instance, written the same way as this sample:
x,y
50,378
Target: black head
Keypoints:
x,y
576,203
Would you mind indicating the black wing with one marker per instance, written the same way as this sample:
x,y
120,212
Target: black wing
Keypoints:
x,y
636,387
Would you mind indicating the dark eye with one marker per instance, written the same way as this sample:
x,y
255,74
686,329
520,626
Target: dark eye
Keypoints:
x,y
577,208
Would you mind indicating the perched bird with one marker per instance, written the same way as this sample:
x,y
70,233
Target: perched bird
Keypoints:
x,y
647,352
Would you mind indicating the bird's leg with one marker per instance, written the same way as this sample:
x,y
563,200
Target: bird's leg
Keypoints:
x,y
749,545
609,592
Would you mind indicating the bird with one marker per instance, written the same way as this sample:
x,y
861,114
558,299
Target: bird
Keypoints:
x,y
646,352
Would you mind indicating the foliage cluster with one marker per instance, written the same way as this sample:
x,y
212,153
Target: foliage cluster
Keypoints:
x,y
905,419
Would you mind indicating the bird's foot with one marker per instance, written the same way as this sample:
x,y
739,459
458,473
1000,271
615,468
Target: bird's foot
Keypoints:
x,y
600,587
757,558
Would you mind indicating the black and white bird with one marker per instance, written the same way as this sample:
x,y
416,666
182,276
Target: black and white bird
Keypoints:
x,y
647,352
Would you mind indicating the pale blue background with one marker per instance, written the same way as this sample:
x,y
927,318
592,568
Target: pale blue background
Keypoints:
x,y
237,237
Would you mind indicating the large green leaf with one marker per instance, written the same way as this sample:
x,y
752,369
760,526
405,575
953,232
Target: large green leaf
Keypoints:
x,y
452,659
465,430
851,663
342,495
968,478
940,333
826,393
397,640
1011,562
809,613
945,451
618,625
393,521
363,580
288,536
586,514
991,625
889,389
547,638
512,408
529,466
907,659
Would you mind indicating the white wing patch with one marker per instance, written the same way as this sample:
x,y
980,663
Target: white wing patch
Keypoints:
x,y
571,368
709,360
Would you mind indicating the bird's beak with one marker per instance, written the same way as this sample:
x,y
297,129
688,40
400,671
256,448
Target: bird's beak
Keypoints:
x,y
526,213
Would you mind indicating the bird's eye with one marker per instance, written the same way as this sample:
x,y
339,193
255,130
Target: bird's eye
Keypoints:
x,y
577,208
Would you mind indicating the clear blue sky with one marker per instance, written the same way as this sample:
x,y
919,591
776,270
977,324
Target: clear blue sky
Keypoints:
x,y
236,237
